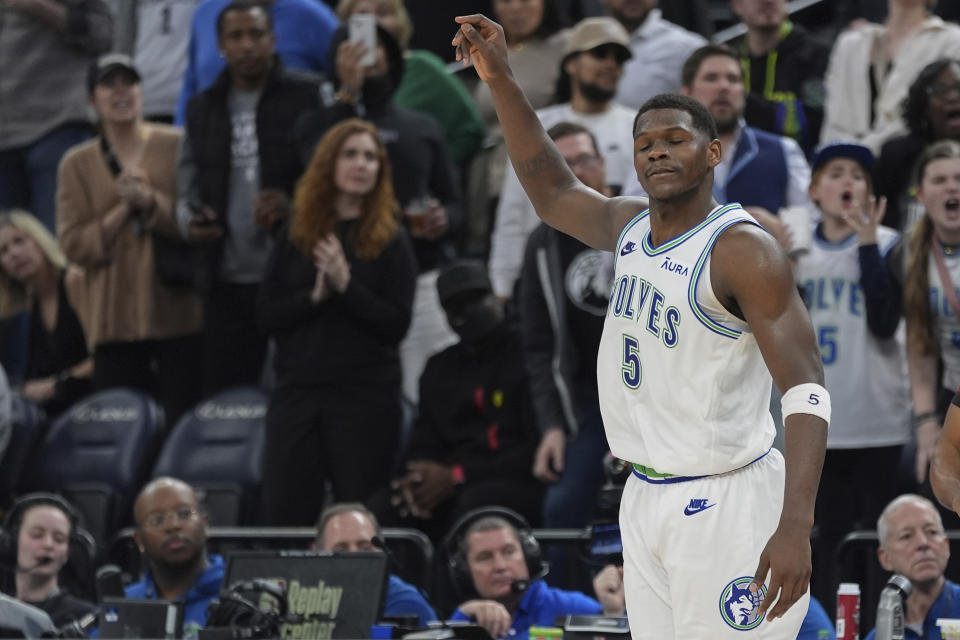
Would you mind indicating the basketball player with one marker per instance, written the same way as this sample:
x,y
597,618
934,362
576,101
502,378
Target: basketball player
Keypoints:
x,y
703,299
945,468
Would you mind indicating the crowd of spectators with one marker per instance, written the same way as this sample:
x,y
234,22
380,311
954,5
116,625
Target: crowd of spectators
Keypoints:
x,y
201,194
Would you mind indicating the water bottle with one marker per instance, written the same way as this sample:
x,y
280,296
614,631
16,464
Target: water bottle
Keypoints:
x,y
890,609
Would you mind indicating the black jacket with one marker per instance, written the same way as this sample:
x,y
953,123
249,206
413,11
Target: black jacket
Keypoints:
x,y
548,349
285,96
350,337
894,172
475,410
792,104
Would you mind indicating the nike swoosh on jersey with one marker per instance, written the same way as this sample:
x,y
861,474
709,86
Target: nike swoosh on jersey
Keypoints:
x,y
688,511
628,248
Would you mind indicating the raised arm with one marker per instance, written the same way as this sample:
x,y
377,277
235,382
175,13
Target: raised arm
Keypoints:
x,y
560,199
751,275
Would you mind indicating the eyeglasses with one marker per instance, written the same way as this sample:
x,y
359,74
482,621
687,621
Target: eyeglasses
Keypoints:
x,y
942,90
584,161
157,520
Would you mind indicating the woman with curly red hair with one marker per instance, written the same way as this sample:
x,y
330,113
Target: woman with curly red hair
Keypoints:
x,y
337,299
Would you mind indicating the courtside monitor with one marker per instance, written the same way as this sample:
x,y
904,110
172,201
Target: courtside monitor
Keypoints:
x,y
333,594
131,618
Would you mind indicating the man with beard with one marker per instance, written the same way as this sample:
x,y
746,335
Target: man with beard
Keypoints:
x,y
589,73
424,181
171,531
761,171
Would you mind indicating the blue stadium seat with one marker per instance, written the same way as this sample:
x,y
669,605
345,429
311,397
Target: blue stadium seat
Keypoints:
x,y
26,433
217,448
98,454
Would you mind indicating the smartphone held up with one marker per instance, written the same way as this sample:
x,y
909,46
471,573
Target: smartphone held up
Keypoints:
x,y
363,30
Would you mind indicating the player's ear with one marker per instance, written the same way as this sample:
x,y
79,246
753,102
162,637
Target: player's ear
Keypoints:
x,y
714,153
884,560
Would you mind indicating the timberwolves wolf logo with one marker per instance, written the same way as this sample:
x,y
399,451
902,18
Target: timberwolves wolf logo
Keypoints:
x,y
589,279
738,606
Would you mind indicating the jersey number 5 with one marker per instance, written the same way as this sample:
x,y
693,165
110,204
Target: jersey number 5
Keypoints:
x,y
631,371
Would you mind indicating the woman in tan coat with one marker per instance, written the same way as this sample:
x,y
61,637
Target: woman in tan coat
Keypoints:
x,y
114,194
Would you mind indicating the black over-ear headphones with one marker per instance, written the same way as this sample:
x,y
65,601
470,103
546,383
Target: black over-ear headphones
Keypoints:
x,y
235,610
456,560
10,529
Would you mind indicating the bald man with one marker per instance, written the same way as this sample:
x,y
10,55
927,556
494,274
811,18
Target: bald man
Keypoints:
x,y
350,526
171,531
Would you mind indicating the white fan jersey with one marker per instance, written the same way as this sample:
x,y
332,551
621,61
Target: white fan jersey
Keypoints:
x,y
947,323
866,376
683,388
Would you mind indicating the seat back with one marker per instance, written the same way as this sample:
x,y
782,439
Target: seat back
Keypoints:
x,y
98,454
217,448
26,433
78,576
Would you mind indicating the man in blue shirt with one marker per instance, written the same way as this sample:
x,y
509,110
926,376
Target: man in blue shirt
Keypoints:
x,y
350,526
914,544
172,536
508,602
303,29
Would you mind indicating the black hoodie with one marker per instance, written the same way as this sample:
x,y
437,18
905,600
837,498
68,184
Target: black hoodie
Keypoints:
x,y
800,61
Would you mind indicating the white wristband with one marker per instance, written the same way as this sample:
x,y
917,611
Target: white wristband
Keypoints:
x,y
809,398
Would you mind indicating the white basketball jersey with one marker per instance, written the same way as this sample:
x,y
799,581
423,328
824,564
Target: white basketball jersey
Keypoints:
x,y
947,323
866,376
683,387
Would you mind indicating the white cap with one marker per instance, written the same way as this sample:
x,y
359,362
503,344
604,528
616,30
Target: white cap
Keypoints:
x,y
848,589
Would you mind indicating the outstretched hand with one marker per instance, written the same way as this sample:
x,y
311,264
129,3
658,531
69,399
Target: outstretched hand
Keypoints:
x,y
481,41
787,558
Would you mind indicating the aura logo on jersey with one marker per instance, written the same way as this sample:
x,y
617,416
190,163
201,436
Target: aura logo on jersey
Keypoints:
x,y
739,608
636,299
674,266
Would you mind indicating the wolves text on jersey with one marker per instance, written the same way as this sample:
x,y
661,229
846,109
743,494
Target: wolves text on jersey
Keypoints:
x,y
633,298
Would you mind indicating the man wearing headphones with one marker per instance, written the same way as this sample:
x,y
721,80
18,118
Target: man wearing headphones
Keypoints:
x,y
172,536
350,526
500,564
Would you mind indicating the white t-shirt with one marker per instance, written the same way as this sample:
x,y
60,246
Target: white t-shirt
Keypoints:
x,y
160,51
947,324
516,218
659,48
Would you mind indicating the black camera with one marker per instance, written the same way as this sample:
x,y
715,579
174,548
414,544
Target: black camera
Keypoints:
x,y
240,612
